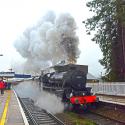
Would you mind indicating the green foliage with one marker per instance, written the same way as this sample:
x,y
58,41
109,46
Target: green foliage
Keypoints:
x,y
108,15
79,120
110,77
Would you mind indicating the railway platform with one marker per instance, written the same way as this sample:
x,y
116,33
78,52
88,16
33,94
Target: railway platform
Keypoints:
x,y
120,100
11,112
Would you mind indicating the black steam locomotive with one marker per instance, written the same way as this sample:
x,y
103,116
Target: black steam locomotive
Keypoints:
x,y
68,82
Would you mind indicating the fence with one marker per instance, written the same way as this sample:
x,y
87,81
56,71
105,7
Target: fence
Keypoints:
x,y
112,88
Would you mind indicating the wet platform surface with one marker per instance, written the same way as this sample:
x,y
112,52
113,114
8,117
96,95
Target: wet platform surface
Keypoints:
x,y
10,113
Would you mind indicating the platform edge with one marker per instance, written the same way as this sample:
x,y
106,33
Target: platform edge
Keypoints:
x,y
21,110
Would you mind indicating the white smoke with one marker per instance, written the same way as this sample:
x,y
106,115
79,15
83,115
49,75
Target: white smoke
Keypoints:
x,y
50,102
27,90
53,39
42,99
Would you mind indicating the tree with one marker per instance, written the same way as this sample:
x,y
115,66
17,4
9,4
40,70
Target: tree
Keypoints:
x,y
108,15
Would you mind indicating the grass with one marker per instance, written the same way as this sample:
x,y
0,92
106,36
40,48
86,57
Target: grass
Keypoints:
x,y
79,120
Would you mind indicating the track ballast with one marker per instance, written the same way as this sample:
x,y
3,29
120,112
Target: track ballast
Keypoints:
x,y
36,115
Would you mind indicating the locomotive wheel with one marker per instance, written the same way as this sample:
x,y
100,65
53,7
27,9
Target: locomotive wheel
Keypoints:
x,y
68,106
80,108
94,105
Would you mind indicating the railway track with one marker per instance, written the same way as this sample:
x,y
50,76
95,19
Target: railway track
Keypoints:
x,y
110,111
95,119
100,119
105,114
36,115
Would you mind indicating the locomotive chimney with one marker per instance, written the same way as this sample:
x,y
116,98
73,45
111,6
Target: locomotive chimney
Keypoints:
x,y
71,61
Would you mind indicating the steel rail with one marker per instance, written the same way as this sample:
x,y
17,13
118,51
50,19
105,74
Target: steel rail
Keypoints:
x,y
28,113
38,116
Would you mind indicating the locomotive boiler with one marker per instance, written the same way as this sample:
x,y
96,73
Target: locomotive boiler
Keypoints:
x,y
68,82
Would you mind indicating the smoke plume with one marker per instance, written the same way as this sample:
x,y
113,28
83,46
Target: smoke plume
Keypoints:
x,y
42,99
50,102
50,41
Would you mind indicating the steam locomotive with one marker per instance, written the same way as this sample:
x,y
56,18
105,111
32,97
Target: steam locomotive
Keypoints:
x,y
69,82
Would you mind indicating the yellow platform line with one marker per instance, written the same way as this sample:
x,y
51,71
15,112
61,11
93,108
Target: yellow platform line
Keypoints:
x,y
3,119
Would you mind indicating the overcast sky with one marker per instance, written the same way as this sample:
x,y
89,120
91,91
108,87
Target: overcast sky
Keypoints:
x,y
17,15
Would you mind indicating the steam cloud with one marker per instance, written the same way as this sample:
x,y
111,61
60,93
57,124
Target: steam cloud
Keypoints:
x,y
50,102
42,99
53,39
